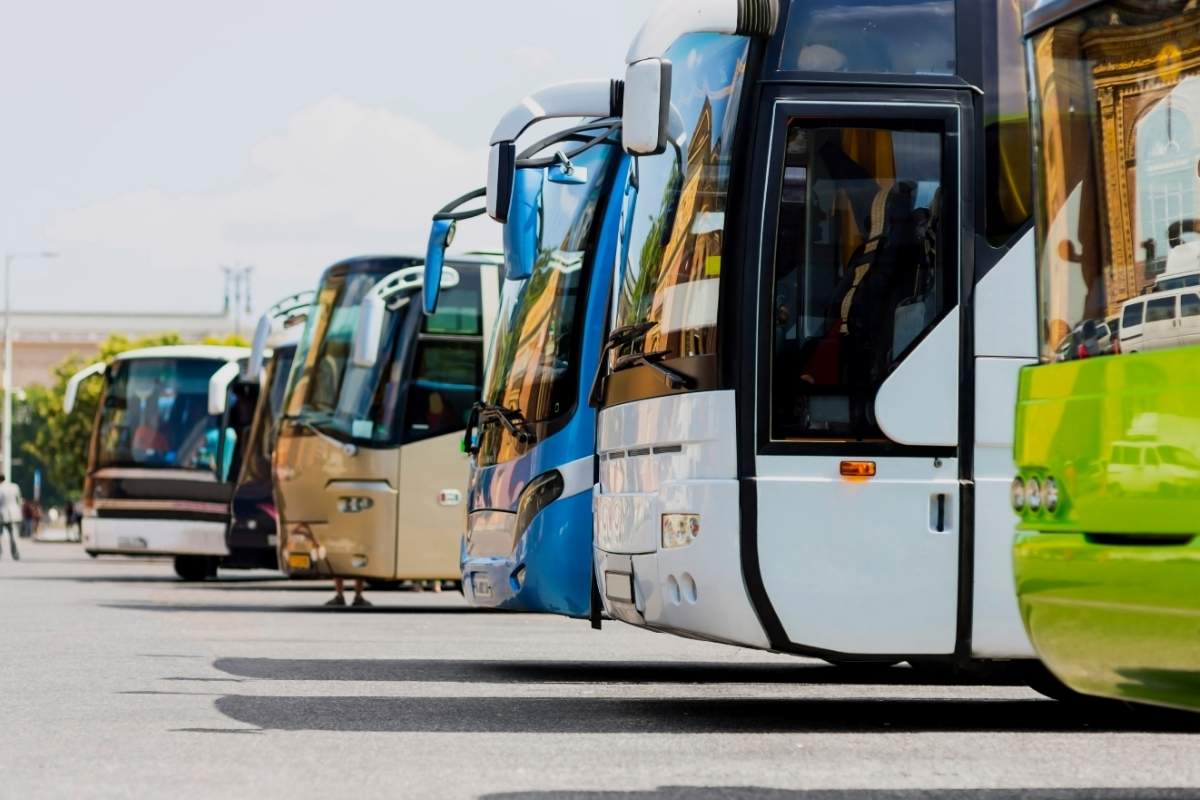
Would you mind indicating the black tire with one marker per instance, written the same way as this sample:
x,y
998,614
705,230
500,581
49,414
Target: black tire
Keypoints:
x,y
1044,682
195,568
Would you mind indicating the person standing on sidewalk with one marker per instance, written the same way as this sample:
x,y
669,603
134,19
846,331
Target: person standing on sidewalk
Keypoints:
x,y
10,513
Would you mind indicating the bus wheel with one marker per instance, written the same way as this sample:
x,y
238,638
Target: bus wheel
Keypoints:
x,y
195,568
1044,682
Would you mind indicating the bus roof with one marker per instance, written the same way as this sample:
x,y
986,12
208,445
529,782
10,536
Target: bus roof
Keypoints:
x,y
214,352
386,264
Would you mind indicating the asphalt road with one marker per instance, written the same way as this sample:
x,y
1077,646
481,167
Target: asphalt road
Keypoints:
x,y
120,681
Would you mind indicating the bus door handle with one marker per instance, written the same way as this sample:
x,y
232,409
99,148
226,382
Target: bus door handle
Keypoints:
x,y
940,516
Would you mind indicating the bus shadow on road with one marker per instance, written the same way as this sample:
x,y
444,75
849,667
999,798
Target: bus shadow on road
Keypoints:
x,y
763,793
316,608
549,715
541,671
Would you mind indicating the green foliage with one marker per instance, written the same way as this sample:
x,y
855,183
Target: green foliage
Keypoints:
x,y
229,340
56,442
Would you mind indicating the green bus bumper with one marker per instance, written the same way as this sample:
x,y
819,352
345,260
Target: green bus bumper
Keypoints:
x,y
1114,620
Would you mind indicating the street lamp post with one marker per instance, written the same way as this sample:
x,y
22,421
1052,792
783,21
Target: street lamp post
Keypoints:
x,y
9,258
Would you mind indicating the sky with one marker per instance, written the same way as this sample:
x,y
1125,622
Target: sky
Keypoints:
x,y
150,143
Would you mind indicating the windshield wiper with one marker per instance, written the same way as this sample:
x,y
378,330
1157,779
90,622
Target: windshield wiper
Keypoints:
x,y
513,421
675,378
619,337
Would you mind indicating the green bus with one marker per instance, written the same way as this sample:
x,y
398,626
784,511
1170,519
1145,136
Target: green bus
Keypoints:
x,y
1107,557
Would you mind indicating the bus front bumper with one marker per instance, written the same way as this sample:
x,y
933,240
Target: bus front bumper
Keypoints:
x,y
548,569
153,537
1114,620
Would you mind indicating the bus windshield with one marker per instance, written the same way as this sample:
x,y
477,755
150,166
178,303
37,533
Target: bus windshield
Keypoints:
x,y
534,367
333,395
1117,114
155,414
673,267
257,466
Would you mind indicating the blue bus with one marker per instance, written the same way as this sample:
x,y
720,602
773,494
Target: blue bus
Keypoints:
x,y
528,544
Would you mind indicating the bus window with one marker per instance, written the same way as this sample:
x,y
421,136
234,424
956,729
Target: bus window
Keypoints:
x,y
155,414
911,37
859,275
446,379
1118,146
678,230
1006,128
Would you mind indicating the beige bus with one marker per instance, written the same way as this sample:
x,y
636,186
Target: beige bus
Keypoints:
x,y
369,472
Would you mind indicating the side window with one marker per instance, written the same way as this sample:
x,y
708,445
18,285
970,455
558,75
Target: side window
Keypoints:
x,y
1132,316
458,311
1189,305
859,272
1151,457
1006,127
1160,310
446,378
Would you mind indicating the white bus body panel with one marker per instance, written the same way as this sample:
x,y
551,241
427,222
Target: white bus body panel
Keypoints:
x,y
154,536
1005,341
676,454
918,403
856,566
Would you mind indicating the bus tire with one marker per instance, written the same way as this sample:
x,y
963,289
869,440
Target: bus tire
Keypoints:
x,y
195,568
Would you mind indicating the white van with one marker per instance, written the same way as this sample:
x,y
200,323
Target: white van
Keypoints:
x,y
1160,319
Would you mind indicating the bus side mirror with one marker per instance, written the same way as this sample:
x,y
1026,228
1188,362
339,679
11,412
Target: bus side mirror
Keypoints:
x,y
523,231
364,350
72,392
218,388
502,168
646,109
441,236
258,351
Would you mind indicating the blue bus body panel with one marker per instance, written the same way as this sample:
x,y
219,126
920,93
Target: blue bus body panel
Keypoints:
x,y
550,567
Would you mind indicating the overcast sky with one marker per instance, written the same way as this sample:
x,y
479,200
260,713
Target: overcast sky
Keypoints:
x,y
150,142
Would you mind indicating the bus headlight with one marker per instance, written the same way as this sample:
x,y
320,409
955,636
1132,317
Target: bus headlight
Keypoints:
x,y
679,530
1050,495
539,493
1033,494
1017,494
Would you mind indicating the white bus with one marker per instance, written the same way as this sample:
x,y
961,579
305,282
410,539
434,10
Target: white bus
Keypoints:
x,y
806,422
161,463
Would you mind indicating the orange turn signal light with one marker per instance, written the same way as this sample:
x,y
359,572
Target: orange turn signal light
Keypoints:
x,y
858,469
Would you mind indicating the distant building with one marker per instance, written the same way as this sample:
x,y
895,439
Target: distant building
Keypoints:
x,y
42,339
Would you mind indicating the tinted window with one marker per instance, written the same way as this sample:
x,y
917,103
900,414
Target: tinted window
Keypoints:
x,y
678,228
257,465
368,404
1189,305
446,378
1160,309
533,367
910,37
1006,128
1132,316
1116,91
859,273
155,414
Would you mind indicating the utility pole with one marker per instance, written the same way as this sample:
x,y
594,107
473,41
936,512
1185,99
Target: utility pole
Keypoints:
x,y
237,294
9,258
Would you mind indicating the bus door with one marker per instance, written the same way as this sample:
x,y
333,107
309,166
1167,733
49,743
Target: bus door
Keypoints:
x,y
854,512
444,379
